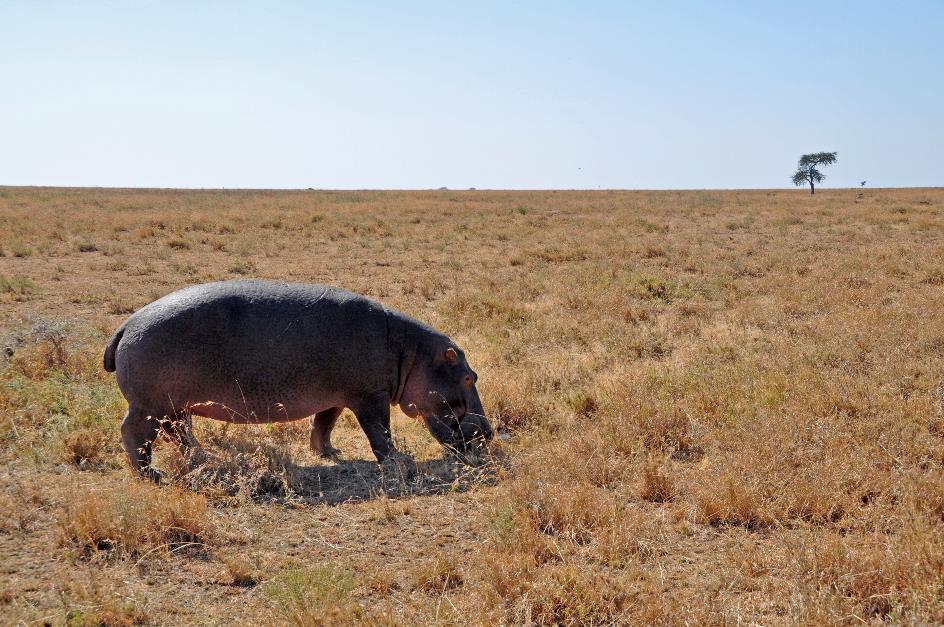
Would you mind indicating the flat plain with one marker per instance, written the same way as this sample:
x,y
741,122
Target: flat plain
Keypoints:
x,y
715,407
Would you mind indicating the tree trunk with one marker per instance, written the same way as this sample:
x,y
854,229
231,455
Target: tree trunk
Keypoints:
x,y
812,188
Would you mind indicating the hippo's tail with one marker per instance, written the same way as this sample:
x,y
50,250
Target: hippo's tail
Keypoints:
x,y
109,361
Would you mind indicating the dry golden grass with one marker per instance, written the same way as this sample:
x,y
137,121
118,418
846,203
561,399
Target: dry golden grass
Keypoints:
x,y
134,519
719,407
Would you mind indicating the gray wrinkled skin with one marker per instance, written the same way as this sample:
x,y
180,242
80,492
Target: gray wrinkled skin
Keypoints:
x,y
263,351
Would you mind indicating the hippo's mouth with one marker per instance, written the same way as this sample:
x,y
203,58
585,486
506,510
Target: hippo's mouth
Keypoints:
x,y
468,436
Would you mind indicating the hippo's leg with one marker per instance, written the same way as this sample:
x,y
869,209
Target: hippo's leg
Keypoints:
x,y
138,431
321,426
374,417
179,432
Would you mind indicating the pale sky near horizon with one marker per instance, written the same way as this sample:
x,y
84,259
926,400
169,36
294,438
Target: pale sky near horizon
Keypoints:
x,y
488,94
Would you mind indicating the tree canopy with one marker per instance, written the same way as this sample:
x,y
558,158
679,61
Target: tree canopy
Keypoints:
x,y
806,168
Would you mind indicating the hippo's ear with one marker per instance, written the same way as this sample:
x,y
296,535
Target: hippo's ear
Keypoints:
x,y
451,356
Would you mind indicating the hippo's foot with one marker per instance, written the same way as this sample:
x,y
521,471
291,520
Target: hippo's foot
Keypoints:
x,y
329,452
474,457
322,424
153,474
398,465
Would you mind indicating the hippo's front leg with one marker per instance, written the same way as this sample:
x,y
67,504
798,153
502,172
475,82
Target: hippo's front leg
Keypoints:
x,y
373,414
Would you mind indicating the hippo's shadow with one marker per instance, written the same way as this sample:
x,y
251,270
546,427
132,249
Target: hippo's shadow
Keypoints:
x,y
358,480
263,473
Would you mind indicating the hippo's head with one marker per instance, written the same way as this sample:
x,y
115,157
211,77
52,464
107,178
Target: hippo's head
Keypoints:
x,y
441,389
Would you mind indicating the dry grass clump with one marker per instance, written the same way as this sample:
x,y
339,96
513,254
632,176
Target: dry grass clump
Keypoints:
x,y
86,448
879,576
512,401
656,485
20,507
134,519
319,595
18,249
93,602
559,594
16,285
241,571
438,575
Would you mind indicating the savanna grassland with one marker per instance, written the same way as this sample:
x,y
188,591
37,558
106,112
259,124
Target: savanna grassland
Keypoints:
x,y
716,407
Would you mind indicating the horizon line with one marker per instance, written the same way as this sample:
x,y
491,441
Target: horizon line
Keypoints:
x,y
460,189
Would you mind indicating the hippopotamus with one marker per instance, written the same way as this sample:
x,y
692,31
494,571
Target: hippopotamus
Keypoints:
x,y
254,351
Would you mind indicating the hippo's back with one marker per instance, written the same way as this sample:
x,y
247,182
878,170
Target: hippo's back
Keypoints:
x,y
256,344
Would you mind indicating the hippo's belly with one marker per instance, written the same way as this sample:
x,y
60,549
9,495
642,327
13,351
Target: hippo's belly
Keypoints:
x,y
264,392
254,412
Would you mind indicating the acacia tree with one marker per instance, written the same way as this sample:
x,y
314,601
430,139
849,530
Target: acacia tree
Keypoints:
x,y
806,169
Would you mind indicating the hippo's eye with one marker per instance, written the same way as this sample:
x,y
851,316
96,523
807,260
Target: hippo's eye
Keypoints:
x,y
468,381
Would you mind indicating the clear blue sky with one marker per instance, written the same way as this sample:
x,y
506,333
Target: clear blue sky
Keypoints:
x,y
490,95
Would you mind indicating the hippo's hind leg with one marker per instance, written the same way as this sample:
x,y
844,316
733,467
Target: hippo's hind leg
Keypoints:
x,y
321,426
138,431
179,432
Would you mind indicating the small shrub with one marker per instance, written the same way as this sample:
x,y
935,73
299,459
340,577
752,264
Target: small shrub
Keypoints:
x,y
572,512
242,471
513,403
40,348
